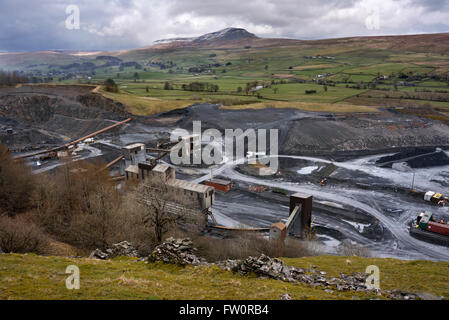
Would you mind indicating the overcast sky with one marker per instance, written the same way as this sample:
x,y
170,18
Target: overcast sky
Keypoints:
x,y
27,25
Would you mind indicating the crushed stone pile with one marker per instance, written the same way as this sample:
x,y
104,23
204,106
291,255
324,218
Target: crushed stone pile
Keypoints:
x,y
177,251
123,248
182,252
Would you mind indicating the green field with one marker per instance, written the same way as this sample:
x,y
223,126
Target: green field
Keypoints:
x,y
349,68
348,76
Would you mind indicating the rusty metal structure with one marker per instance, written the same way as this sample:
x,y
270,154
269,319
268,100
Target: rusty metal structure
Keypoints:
x,y
300,221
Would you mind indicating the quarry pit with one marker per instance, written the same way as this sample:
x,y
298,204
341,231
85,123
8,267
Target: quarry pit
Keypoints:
x,y
363,203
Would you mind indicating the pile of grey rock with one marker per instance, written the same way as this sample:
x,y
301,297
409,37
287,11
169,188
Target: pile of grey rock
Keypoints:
x,y
263,266
182,252
267,267
402,295
123,248
177,251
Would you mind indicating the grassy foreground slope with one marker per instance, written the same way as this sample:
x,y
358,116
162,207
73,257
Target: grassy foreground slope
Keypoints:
x,y
37,277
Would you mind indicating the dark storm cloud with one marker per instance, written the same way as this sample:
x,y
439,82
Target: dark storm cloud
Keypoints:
x,y
119,24
38,25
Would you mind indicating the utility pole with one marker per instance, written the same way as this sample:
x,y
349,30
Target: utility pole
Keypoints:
x,y
413,181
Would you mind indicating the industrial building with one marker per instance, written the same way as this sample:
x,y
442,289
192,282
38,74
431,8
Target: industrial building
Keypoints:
x,y
154,175
132,156
202,197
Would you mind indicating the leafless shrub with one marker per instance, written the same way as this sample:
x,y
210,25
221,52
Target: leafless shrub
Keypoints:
x,y
16,184
20,236
347,248
130,216
78,206
247,245
163,208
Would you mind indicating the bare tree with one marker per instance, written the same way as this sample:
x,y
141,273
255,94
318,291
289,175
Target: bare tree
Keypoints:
x,y
166,208
20,236
78,205
16,184
96,226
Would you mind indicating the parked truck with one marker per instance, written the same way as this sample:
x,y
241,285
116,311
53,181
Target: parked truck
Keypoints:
x,y
435,198
428,228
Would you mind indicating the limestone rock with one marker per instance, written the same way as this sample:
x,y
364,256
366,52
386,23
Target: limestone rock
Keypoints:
x,y
182,252
176,251
286,296
98,254
123,248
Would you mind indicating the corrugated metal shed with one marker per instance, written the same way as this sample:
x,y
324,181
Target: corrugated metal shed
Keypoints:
x,y
186,185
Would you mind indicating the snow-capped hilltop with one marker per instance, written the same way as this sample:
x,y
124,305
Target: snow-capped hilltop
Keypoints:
x,y
222,35
226,34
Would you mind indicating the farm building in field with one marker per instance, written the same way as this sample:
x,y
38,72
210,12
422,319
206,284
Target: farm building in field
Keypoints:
x,y
219,184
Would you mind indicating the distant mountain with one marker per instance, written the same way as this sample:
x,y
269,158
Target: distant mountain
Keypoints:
x,y
227,34
232,41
